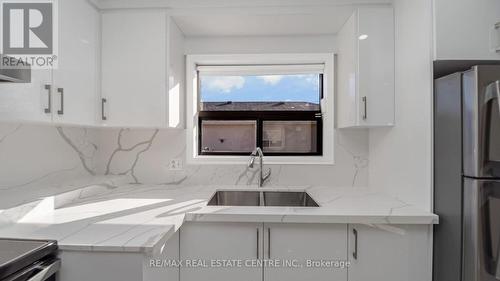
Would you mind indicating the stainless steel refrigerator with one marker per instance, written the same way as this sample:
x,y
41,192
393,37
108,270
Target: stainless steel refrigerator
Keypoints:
x,y
467,175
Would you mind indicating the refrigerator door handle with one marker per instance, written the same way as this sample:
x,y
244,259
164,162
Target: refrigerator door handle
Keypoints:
x,y
497,271
497,274
493,92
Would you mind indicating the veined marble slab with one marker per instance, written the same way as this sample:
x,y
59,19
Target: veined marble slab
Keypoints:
x,y
139,218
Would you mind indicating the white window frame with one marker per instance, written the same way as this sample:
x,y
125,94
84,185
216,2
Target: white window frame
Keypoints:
x,y
327,105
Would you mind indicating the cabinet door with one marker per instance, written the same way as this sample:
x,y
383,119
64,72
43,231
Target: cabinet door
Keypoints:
x,y
390,253
75,81
347,61
302,243
465,30
134,63
376,57
28,102
220,241
366,57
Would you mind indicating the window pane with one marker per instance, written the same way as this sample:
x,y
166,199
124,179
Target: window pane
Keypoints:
x,y
260,92
290,136
228,136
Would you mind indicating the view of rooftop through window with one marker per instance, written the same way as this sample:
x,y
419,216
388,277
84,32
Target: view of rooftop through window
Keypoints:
x,y
260,92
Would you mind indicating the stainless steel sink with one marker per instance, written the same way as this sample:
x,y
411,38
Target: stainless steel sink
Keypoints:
x,y
263,199
235,198
288,199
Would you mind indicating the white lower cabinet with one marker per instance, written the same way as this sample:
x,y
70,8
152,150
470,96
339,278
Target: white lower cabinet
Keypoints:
x,y
286,248
319,249
121,265
206,242
267,252
390,253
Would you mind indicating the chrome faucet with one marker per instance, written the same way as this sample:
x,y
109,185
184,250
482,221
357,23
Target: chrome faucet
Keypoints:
x,y
262,177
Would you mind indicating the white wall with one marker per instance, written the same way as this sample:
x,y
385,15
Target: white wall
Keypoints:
x,y
39,155
401,157
144,156
271,44
37,158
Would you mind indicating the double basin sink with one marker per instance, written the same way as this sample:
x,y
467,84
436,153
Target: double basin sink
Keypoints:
x,y
262,199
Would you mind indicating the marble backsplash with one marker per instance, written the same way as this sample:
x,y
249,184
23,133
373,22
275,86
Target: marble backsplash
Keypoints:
x,y
34,155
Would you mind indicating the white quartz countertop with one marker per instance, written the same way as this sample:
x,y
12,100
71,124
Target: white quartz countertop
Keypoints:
x,y
139,218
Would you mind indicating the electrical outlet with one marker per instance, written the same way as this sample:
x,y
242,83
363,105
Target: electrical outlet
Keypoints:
x,y
175,165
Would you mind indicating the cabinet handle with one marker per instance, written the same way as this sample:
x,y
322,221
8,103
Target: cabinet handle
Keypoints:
x,y
103,116
365,111
269,243
49,104
61,110
355,253
258,240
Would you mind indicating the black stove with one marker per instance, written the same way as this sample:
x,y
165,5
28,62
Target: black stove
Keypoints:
x,y
27,260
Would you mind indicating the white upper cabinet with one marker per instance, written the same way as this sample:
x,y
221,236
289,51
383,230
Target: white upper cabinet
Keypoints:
x,y
134,74
465,29
137,69
75,81
176,77
27,102
365,69
67,93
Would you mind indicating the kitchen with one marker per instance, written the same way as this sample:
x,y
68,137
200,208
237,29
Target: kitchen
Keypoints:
x,y
258,140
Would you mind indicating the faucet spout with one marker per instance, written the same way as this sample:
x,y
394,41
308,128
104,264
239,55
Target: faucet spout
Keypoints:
x,y
258,153
251,162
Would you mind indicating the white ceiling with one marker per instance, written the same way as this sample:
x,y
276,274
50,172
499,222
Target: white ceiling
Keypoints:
x,y
111,4
198,18
263,24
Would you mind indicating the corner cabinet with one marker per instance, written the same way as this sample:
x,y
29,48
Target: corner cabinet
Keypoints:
x,y
365,69
142,69
390,252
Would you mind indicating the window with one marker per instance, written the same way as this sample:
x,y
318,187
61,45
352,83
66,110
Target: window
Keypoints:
x,y
282,103
275,107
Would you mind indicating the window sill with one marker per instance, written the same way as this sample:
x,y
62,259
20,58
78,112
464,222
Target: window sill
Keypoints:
x,y
268,160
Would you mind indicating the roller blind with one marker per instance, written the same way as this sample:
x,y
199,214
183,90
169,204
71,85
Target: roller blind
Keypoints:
x,y
281,69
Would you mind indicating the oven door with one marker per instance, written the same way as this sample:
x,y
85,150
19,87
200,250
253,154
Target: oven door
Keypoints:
x,y
39,271
481,230
481,122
